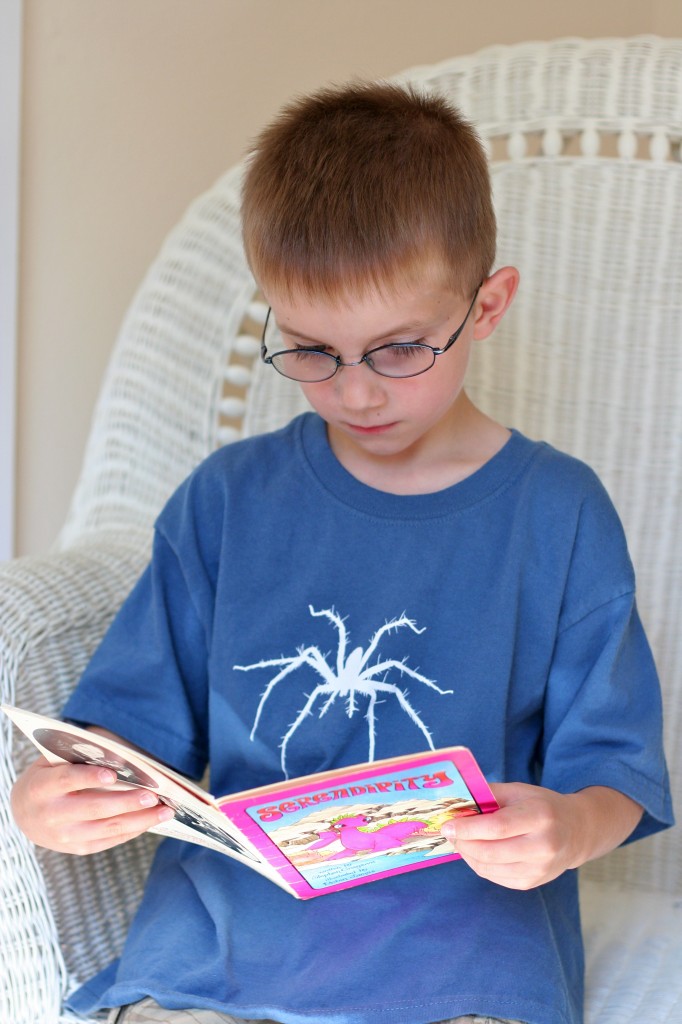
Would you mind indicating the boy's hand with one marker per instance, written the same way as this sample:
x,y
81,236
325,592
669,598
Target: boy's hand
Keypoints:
x,y
538,834
73,808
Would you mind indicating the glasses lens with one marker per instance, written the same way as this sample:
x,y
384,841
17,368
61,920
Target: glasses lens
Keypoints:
x,y
305,365
402,360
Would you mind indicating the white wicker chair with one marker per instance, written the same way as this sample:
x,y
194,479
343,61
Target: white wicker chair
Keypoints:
x,y
584,138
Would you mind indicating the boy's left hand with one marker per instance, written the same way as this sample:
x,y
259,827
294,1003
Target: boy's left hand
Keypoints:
x,y
538,834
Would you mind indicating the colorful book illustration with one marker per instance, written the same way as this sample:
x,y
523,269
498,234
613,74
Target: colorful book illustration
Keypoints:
x,y
313,835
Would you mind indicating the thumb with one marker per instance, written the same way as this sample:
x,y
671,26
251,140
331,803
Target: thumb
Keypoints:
x,y
507,794
449,830
451,826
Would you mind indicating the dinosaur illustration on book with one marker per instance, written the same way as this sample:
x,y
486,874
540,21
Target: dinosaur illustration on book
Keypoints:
x,y
354,837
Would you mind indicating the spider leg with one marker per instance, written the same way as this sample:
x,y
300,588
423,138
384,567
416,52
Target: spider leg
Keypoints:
x,y
383,666
337,621
386,628
371,722
309,655
273,661
328,703
407,708
306,710
322,667
306,657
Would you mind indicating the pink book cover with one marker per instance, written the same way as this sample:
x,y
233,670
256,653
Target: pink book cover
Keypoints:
x,y
354,825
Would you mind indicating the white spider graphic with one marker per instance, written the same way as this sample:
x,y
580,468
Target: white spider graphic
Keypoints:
x,y
352,677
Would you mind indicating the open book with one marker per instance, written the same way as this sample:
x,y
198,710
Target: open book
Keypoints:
x,y
312,835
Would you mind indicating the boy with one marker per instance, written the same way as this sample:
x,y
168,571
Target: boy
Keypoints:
x,y
488,573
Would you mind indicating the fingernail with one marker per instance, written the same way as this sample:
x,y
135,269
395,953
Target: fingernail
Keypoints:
x,y
107,777
449,831
148,799
166,813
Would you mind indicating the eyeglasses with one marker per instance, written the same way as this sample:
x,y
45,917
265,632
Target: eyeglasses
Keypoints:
x,y
398,359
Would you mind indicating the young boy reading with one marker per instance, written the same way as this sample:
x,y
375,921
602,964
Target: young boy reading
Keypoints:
x,y
390,573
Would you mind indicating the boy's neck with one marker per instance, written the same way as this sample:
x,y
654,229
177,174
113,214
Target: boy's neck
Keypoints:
x,y
461,448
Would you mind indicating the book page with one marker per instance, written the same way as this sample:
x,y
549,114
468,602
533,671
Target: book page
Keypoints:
x,y
196,818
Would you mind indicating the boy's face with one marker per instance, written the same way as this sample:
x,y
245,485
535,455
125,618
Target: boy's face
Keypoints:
x,y
388,426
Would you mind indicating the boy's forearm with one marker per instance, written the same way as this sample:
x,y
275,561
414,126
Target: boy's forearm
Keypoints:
x,y
607,817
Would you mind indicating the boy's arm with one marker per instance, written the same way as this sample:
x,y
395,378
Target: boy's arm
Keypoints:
x,y
538,834
68,808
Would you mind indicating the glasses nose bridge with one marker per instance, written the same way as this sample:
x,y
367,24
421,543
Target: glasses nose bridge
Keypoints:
x,y
357,390
355,362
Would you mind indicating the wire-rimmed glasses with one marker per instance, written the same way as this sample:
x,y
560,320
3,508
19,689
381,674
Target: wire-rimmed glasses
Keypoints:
x,y
310,365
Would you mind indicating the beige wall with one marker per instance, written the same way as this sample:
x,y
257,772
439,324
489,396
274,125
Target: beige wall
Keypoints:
x,y
132,107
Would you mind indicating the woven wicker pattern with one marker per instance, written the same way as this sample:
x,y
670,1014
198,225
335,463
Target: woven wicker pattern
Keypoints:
x,y
588,194
584,138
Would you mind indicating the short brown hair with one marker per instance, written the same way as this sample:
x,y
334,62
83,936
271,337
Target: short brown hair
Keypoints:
x,y
365,185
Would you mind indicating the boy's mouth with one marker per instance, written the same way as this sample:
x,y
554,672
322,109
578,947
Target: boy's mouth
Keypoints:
x,y
378,429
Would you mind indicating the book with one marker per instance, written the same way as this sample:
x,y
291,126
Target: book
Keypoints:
x,y
312,835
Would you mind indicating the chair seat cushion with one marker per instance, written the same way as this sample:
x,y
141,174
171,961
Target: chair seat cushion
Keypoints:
x,y
633,944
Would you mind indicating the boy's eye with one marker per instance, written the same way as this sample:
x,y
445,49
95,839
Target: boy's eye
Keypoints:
x,y
399,354
406,359
405,350
302,353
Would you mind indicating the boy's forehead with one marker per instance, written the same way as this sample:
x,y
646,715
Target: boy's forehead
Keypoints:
x,y
371,311
373,299
421,288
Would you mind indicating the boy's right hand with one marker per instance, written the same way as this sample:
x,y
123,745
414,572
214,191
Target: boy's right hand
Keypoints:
x,y
74,808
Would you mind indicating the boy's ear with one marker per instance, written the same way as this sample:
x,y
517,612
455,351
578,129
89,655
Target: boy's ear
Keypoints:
x,y
494,299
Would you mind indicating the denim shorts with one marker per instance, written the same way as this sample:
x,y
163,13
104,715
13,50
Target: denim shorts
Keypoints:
x,y
149,1012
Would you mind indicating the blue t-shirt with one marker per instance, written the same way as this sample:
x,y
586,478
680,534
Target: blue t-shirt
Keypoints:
x,y
294,619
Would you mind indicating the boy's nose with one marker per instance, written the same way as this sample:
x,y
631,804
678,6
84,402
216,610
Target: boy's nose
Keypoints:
x,y
358,387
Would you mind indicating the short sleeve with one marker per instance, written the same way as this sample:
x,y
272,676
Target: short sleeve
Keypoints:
x,y
147,681
603,713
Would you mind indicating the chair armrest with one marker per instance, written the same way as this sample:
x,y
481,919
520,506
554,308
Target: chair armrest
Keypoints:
x,y
54,610
633,945
62,603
